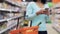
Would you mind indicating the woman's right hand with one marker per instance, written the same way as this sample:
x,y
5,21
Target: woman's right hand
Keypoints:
x,y
39,12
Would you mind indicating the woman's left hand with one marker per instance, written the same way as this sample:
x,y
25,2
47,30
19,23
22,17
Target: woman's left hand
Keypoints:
x,y
46,12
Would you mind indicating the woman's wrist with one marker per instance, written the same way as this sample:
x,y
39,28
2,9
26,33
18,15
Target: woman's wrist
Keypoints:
x,y
38,13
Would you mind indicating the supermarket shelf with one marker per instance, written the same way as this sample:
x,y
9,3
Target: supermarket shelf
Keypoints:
x,y
3,20
8,10
12,3
15,17
57,29
12,26
8,28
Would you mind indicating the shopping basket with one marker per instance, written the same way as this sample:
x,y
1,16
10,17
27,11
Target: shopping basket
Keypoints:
x,y
26,30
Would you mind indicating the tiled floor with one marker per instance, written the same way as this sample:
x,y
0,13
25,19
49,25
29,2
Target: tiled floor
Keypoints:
x,y
51,30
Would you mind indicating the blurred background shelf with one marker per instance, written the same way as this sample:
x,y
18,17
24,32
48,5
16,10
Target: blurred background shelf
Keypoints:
x,y
12,15
3,20
56,17
9,10
8,28
13,3
57,28
15,17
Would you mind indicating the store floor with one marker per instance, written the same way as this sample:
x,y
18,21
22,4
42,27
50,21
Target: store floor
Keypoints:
x,y
51,30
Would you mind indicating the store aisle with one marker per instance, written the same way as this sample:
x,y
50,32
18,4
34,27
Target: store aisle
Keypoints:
x,y
51,30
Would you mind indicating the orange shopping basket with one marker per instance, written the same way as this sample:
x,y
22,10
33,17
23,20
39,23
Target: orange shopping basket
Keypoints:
x,y
26,30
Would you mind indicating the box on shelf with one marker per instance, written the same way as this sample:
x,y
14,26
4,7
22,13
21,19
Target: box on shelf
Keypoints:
x,y
10,22
57,16
3,25
18,14
0,5
8,15
57,10
1,17
5,5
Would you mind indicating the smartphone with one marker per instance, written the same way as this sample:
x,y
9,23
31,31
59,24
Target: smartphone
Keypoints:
x,y
46,8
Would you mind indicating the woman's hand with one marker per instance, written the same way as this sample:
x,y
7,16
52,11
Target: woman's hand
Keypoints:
x,y
43,12
39,12
46,12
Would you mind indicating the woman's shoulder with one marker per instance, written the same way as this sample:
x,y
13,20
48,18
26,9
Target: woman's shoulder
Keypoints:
x,y
46,5
31,3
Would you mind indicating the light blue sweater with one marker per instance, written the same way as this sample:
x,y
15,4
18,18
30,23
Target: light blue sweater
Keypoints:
x,y
31,10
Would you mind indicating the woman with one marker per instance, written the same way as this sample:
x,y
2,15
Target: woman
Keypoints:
x,y
37,13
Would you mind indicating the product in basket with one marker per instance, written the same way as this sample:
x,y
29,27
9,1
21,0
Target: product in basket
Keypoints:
x,y
26,30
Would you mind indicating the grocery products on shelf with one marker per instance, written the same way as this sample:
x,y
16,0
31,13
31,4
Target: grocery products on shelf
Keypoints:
x,y
14,2
8,7
56,20
13,15
1,16
3,25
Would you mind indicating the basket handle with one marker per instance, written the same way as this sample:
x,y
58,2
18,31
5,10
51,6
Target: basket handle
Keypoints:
x,y
39,23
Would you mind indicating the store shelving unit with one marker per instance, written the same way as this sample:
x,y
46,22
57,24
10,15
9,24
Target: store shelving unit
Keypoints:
x,y
6,10
13,3
16,18
56,18
8,28
12,26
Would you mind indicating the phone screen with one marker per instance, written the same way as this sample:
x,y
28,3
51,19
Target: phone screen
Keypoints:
x,y
46,8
